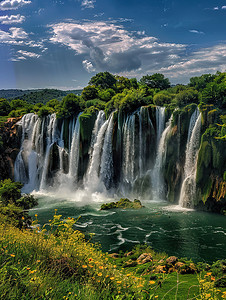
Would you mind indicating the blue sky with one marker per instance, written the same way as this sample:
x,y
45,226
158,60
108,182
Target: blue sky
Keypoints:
x,y
63,43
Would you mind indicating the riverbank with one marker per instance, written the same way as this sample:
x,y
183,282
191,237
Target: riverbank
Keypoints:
x,y
64,265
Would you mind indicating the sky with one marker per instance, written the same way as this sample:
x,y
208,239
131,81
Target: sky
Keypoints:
x,y
63,43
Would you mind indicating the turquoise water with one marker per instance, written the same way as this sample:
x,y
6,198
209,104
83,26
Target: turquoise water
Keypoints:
x,y
185,233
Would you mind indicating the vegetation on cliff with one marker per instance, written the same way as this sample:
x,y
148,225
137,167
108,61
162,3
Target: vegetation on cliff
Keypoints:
x,y
111,92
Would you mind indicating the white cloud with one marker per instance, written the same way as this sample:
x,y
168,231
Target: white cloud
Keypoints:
x,y
223,7
107,45
15,36
196,31
207,60
13,4
13,19
28,54
88,66
88,3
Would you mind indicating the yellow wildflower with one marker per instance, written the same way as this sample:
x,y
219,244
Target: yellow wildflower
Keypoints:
x,y
119,282
112,278
12,255
152,282
99,274
84,266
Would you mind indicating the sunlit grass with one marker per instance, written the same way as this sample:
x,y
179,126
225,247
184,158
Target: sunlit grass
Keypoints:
x,y
56,262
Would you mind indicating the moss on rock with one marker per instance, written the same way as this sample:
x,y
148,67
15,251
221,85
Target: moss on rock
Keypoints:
x,y
123,203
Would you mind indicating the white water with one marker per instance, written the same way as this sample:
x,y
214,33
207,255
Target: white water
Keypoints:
x,y
156,174
188,189
101,162
48,163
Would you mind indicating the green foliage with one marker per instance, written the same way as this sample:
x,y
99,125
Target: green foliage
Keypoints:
x,y
155,81
130,100
89,92
45,111
17,104
9,191
186,97
54,103
123,83
99,104
162,98
27,201
106,95
103,80
70,106
200,82
4,107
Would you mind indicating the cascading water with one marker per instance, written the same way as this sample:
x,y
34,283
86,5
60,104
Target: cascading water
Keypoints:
x,y
126,155
188,189
99,172
156,174
160,122
128,163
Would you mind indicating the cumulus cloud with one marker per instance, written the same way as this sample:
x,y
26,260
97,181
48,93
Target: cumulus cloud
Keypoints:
x,y
15,36
13,19
109,46
88,66
207,60
88,3
13,4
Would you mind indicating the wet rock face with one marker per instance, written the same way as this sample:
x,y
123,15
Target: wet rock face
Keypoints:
x,y
10,138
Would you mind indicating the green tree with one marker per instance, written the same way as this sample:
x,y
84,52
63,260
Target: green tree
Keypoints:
x,y
215,93
200,82
10,191
103,80
5,107
122,83
53,103
155,81
70,106
187,97
162,98
17,104
106,95
90,92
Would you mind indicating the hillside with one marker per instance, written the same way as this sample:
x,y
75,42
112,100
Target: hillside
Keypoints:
x,y
36,96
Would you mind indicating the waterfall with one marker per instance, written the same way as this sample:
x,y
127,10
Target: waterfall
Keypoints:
x,y
99,172
128,164
51,138
145,127
126,155
22,171
106,166
74,152
160,122
188,189
156,174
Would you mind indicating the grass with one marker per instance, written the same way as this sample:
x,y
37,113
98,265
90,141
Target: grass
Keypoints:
x,y
56,262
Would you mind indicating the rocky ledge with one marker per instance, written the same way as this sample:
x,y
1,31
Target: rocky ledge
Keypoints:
x,y
123,203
